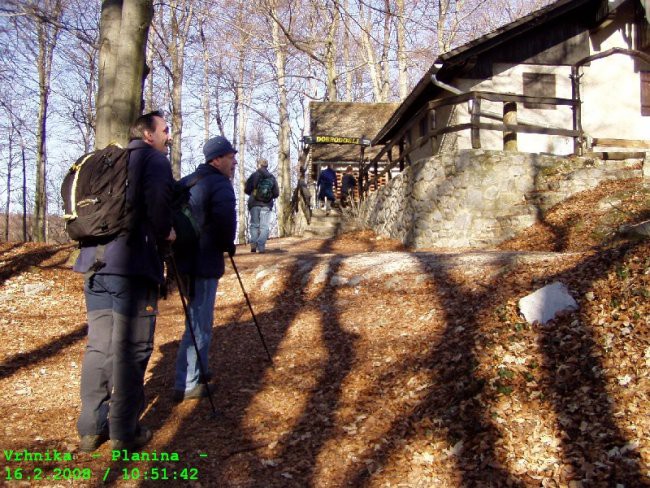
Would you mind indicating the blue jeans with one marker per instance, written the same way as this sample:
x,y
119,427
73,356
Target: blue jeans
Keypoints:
x,y
121,323
201,314
260,218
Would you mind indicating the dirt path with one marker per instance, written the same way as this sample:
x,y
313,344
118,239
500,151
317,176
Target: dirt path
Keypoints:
x,y
391,369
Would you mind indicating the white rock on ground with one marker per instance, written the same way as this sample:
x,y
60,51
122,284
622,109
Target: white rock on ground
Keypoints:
x,y
544,304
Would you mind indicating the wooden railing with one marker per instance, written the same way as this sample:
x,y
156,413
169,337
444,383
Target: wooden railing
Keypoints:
x,y
507,124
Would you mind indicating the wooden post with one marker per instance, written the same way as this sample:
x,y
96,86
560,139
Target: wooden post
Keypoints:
x,y
389,156
361,176
400,154
376,168
475,120
510,118
432,127
578,141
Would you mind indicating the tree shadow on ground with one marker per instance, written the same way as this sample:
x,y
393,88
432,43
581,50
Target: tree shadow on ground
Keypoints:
x,y
592,442
16,265
591,438
240,374
454,401
28,359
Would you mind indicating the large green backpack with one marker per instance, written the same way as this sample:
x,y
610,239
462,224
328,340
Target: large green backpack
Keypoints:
x,y
264,189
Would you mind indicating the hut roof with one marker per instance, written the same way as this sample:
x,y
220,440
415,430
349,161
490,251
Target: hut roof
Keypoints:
x,y
346,119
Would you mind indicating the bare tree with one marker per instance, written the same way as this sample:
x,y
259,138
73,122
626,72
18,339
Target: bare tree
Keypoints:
x,y
47,35
173,32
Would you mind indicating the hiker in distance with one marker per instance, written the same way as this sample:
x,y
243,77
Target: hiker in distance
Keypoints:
x,y
327,183
121,283
261,188
348,184
212,204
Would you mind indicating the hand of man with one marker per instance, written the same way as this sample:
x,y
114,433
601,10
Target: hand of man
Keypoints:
x,y
172,235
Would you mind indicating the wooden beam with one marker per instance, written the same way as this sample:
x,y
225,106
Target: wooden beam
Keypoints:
x,y
626,143
475,121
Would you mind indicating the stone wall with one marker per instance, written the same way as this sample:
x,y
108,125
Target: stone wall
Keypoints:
x,y
477,198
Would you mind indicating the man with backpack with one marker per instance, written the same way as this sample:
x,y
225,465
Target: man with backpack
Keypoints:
x,y
122,276
212,205
261,188
348,184
327,183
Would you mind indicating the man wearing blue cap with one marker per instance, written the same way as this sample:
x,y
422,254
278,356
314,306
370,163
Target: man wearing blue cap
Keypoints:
x,y
212,203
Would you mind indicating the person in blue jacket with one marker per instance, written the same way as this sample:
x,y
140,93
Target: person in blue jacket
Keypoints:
x,y
121,291
327,183
212,203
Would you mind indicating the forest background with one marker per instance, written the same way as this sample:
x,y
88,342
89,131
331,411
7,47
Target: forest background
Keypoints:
x,y
243,69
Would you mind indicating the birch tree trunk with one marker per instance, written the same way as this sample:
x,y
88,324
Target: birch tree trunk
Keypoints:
x,y
330,57
366,41
402,74
205,99
284,148
9,164
124,27
47,38
179,33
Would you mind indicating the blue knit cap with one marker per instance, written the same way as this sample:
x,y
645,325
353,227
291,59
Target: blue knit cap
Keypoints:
x,y
217,146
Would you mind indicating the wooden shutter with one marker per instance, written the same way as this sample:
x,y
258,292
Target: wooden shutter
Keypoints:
x,y
645,92
539,85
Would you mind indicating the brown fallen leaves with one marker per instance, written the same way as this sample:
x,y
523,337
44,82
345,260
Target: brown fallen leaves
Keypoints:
x,y
418,379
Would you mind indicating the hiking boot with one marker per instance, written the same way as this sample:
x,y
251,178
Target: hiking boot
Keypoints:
x,y
199,391
143,436
253,248
91,442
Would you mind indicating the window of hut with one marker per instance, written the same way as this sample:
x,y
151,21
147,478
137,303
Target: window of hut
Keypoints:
x,y
539,85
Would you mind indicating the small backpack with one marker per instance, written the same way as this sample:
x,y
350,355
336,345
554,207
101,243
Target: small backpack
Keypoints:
x,y
264,189
185,225
94,196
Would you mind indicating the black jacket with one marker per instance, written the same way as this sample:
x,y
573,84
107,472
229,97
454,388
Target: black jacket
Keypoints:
x,y
212,202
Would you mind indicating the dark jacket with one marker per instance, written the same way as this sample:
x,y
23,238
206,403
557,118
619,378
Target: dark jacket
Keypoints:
x,y
251,184
212,202
348,182
136,253
327,178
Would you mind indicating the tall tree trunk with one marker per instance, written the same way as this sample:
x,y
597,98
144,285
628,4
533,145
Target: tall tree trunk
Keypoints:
x,y
205,98
24,161
385,48
47,37
11,157
124,27
402,74
330,57
240,135
179,32
149,95
366,40
346,58
284,148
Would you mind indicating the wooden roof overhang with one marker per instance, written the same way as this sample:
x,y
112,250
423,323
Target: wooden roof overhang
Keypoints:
x,y
463,59
340,132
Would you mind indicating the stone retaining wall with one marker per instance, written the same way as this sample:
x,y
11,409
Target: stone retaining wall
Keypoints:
x,y
477,198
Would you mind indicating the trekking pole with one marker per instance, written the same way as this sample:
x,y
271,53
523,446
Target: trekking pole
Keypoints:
x,y
204,378
250,307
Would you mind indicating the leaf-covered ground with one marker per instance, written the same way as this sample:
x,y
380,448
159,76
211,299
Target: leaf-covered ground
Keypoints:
x,y
391,367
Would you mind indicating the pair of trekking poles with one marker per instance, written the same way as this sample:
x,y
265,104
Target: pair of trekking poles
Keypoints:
x,y
202,368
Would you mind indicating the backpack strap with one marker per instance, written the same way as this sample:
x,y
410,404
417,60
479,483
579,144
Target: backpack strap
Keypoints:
x,y
193,181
